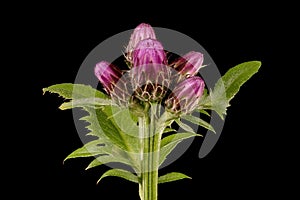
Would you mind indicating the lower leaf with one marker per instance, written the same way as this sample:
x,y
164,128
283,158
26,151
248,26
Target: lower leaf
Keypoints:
x,y
173,176
120,173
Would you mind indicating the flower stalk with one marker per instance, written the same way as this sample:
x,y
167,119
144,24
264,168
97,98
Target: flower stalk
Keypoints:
x,y
150,142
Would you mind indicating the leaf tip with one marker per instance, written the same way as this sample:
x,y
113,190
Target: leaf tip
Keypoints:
x,y
257,62
213,130
99,180
61,107
63,162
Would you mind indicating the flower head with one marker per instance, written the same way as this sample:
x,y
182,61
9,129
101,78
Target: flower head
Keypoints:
x,y
189,64
108,75
186,95
141,32
150,82
149,51
150,76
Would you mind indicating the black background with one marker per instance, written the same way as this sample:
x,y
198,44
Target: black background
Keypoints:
x,y
53,40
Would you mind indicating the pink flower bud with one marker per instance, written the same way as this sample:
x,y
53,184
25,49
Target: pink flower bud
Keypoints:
x,y
185,96
108,75
149,51
189,64
141,32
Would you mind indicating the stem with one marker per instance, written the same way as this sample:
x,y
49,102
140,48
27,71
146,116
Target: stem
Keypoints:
x,y
149,155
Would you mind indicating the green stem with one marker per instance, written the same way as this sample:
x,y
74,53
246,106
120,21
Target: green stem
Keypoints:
x,y
149,155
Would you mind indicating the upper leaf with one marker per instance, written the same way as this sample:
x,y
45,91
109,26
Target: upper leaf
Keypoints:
x,y
74,91
91,102
124,120
184,126
237,76
228,86
199,121
101,125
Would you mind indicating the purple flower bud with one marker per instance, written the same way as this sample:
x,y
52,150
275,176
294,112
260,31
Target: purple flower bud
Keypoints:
x,y
149,51
185,96
108,75
189,64
150,76
141,32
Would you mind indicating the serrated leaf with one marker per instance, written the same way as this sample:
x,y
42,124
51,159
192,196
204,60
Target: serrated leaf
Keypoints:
x,y
170,142
90,102
173,176
120,173
103,125
228,86
90,149
118,146
121,146
184,126
74,91
198,121
106,153
123,119
219,101
238,75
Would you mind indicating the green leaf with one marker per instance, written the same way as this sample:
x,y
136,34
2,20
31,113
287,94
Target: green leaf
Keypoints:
x,y
104,159
92,102
173,176
199,121
168,130
165,121
204,112
219,101
74,91
96,162
81,95
228,86
106,153
176,137
100,124
184,126
170,142
90,149
120,173
123,119
118,145
121,146
238,75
